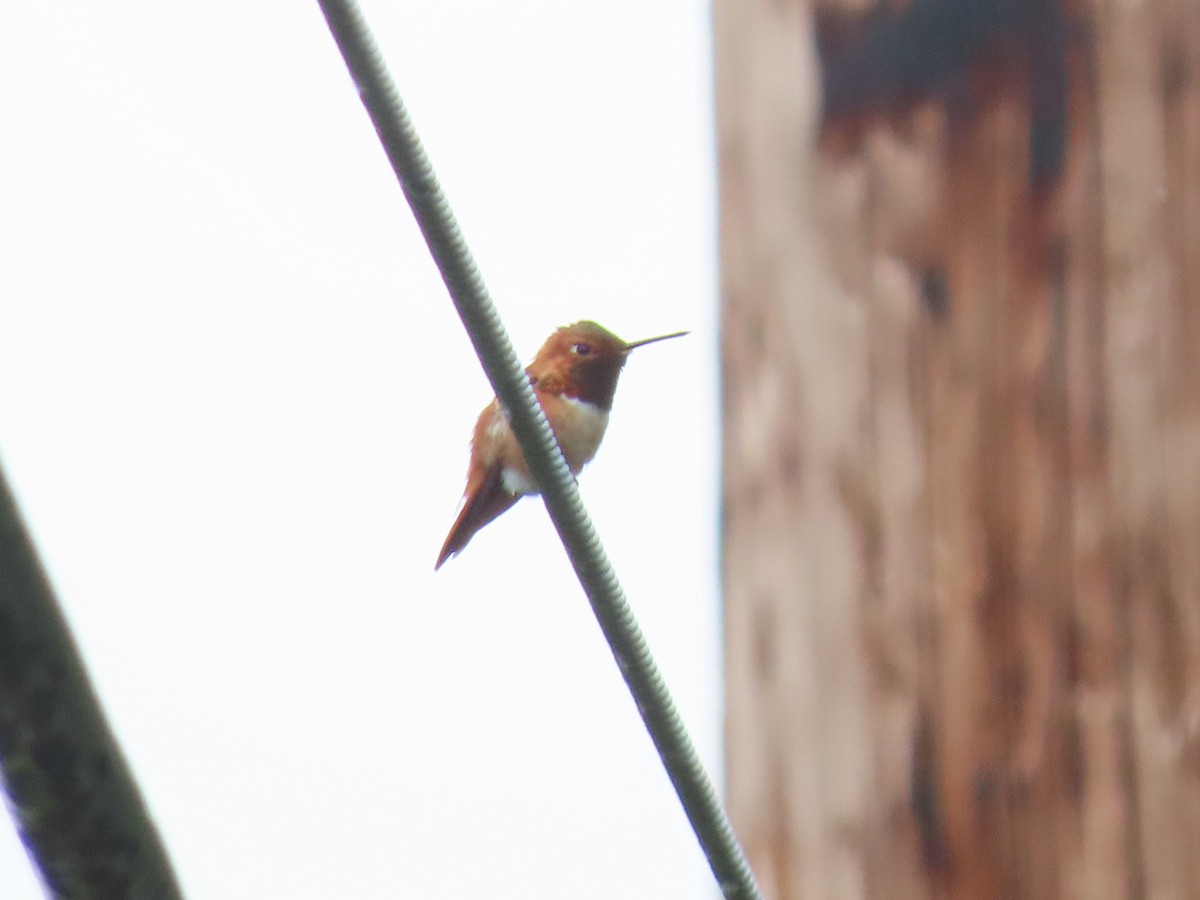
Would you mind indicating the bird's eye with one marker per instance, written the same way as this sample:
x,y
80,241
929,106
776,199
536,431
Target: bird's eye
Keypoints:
x,y
581,349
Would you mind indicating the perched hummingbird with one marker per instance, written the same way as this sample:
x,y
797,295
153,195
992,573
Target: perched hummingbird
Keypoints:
x,y
574,377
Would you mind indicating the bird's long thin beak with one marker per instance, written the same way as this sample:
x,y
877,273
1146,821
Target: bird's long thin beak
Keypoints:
x,y
664,337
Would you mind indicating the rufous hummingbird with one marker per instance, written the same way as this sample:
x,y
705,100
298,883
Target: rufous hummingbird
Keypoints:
x,y
574,377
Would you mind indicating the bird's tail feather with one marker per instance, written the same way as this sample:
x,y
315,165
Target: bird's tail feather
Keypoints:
x,y
481,507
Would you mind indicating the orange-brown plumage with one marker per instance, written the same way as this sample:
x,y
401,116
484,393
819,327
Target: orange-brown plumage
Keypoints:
x,y
574,378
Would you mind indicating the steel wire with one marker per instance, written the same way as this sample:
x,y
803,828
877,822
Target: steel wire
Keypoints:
x,y
504,370
70,789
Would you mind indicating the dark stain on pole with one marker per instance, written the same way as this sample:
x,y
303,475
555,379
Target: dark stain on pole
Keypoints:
x,y
957,51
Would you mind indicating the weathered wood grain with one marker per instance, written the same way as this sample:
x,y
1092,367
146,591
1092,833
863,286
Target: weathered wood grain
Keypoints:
x,y
962,446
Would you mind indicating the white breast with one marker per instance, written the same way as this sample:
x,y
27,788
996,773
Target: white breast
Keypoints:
x,y
582,428
516,482
578,425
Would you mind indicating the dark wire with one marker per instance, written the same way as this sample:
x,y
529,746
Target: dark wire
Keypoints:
x,y
70,790
546,463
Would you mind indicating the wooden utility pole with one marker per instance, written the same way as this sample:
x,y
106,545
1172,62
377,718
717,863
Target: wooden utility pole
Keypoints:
x,y
960,245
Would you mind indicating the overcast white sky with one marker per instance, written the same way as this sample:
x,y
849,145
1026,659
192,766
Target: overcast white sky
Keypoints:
x,y
235,404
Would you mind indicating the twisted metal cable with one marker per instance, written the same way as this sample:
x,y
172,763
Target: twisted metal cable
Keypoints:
x,y
545,460
69,787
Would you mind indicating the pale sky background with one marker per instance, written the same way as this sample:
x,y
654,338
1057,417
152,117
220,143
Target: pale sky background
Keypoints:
x,y
235,403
